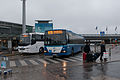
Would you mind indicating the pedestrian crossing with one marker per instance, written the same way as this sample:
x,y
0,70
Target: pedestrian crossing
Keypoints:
x,y
23,63
43,61
12,63
37,61
34,62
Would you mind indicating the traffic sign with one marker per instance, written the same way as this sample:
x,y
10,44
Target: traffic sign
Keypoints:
x,y
102,33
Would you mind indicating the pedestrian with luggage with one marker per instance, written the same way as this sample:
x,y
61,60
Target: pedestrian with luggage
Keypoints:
x,y
103,49
89,56
87,48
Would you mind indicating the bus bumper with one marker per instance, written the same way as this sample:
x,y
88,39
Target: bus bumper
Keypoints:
x,y
56,54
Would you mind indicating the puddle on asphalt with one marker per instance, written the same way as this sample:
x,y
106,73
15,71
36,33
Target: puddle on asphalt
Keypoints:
x,y
102,77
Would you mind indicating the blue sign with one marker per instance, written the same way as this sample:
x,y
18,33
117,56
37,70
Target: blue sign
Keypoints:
x,y
102,33
3,64
115,38
42,27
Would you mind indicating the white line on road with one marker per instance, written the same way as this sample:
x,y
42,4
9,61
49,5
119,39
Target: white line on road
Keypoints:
x,y
76,58
23,63
52,60
12,64
70,59
79,57
33,62
61,60
43,61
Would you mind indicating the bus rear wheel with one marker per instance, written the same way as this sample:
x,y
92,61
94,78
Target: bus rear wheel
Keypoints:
x,y
41,50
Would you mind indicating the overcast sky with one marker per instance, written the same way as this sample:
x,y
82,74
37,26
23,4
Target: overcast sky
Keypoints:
x,y
80,16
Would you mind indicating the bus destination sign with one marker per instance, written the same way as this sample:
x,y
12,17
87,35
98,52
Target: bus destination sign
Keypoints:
x,y
55,32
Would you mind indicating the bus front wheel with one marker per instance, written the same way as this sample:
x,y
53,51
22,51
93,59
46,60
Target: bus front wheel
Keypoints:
x,y
41,50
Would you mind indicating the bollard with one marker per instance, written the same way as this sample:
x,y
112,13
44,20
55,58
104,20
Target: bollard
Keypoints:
x,y
0,72
5,72
109,51
6,58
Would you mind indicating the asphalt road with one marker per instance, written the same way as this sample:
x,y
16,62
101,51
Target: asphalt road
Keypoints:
x,y
38,67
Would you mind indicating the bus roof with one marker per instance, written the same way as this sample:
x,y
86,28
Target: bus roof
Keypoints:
x,y
33,33
56,29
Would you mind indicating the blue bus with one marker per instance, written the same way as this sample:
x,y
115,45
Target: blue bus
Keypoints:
x,y
61,42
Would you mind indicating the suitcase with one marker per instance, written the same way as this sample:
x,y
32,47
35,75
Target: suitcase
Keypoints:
x,y
84,56
95,56
89,58
105,56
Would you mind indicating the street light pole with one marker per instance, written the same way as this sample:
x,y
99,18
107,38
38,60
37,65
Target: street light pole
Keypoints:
x,y
24,17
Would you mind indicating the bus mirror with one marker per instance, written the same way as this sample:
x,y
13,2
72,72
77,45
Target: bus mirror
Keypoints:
x,y
33,41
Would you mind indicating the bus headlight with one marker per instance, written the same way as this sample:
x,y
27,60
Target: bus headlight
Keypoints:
x,y
63,51
45,51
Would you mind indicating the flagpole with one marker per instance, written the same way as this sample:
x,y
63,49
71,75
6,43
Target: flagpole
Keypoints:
x,y
116,30
106,30
97,29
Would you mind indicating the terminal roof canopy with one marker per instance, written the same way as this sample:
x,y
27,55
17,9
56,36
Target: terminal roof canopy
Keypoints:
x,y
43,21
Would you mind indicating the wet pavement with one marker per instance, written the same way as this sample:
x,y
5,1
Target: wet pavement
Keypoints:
x,y
38,67
103,71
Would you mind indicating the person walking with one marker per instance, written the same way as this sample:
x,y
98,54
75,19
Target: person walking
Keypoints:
x,y
103,49
89,57
87,48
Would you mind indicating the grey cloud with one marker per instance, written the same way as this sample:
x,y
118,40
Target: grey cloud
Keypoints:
x,y
80,16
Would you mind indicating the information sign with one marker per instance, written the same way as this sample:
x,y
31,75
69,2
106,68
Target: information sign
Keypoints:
x,y
3,64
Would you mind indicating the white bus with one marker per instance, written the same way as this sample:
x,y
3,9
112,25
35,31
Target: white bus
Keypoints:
x,y
31,43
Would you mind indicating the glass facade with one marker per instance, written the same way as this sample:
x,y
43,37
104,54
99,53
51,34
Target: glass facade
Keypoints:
x,y
42,27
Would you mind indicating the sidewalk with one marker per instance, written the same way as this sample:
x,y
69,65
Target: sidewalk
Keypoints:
x,y
115,55
6,53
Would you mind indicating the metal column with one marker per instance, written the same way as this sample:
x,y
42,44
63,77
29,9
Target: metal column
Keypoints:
x,y
24,17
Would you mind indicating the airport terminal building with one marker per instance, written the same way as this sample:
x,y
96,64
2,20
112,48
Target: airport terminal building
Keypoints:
x,y
9,30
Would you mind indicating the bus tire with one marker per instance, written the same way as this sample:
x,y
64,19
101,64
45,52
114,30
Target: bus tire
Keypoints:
x,y
41,50
72,52
54,57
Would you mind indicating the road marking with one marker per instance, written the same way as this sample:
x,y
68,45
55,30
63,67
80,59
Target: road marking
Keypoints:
x,y
79,57
33,62
61,60
52,60
43,61
23,63
12,64
70,59
76,58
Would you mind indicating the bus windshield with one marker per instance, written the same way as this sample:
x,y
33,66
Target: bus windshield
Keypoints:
x,y
55,39
24,41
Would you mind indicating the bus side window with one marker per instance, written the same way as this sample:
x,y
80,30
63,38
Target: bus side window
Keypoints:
x,y
42,37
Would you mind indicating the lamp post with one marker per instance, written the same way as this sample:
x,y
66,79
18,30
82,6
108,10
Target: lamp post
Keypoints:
x,y
24,17
10,41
